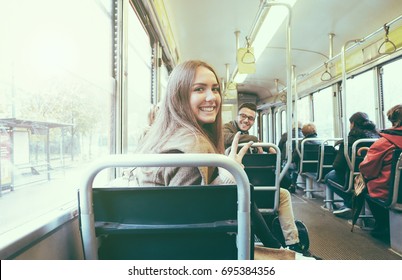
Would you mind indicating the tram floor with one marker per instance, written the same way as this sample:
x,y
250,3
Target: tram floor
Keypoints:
x,y
331,237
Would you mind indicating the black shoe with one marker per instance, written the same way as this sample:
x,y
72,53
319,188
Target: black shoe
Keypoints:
x,y
297,248
316,257
292,188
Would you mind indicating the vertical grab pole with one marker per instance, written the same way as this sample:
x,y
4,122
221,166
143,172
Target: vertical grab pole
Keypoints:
x,y
345,133
289,94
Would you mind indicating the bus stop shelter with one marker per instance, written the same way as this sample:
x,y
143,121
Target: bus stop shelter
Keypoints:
x,y
15,149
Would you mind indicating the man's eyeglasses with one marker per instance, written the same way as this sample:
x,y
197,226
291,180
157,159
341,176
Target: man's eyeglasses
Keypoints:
x,y
244,116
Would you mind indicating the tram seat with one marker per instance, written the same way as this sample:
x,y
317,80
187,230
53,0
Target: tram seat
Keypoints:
x,y
355,159
394,202
308,165
261,171
309,160
326,156
183,222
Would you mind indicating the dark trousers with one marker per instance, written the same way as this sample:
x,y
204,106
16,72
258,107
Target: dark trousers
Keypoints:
x,y
262,230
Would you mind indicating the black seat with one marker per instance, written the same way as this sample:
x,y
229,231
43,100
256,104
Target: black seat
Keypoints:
x,y
325,161
356,159
193,222
309,160
261,172
183,222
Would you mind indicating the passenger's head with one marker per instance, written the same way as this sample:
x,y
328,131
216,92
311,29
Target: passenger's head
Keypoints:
x,y
246,116
361,120
193,93
309,129
395,115
192,100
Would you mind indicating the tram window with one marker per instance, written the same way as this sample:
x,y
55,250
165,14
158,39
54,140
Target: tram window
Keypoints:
x,y
358,89
303,110
56,92
284,124
138,79
323,110
163,82
265,128
254,128
391,85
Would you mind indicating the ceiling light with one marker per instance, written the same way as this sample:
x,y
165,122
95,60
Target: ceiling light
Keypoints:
x,y
270,25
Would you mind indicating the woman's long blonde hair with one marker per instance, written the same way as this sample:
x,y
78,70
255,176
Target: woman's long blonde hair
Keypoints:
x,y
175,112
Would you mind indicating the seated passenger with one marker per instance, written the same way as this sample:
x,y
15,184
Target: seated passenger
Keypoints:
x,y
309,130
246,115
189,121
245,120
290,178
284,139
360,127
376,168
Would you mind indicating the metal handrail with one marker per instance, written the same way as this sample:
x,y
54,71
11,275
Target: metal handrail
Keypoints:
x,y
353,160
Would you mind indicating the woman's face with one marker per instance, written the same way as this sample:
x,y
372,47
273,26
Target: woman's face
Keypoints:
x,y
205,98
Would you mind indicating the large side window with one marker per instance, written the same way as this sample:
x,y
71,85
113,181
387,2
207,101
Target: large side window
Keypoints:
x,y
392,86
303,110
323,113
360,96
57,92
138,80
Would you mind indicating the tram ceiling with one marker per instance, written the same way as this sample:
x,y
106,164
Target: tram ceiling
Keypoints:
x,y
206,30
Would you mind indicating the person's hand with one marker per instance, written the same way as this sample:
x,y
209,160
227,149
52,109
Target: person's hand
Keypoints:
x,y
233,151
271,150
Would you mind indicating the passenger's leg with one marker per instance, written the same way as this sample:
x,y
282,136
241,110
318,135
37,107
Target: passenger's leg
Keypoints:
x,y
262,230
286,218
333,176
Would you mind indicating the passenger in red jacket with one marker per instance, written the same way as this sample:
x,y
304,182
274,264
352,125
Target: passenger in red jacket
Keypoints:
x,y
376,168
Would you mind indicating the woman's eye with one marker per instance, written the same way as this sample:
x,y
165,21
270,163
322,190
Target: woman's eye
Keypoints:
x,y
199,89
216,89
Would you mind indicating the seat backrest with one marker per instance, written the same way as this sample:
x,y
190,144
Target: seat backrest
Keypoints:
x,y
356,159
261,171
126,217
309,157
360,158
164,223
325,161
